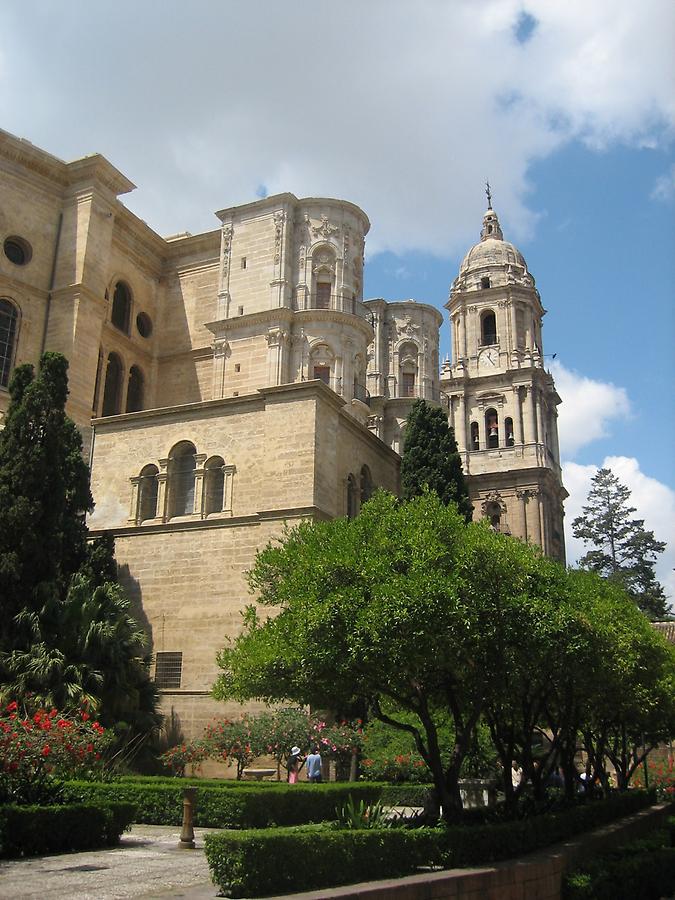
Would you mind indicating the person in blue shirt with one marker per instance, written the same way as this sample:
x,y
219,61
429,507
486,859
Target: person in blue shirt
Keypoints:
x,y
313,764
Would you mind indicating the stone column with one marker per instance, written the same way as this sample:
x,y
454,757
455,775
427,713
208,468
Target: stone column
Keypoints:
x,y
228,488
514,326
221,350
517,417
460,433
541,433
133,509
530,416
523,496
536,518
163,511
462,334
198,502
224,276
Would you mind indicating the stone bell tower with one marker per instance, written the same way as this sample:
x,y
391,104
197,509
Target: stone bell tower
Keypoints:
x,y
502,401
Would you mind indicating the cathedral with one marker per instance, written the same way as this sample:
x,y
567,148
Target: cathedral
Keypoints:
x,y
230,383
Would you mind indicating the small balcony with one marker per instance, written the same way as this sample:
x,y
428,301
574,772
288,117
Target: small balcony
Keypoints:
x,y
336,302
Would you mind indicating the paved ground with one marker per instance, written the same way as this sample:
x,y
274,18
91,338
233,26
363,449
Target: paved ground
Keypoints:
x,y
147,863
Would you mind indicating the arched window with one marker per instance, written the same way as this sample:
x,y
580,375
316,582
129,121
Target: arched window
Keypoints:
x,y
214,485
492,428
182,466
120,315
366,485
9,318
147,493
508,426
352,498
493,512
485,282
135,390
112,392
488,328
407,355
475,439
321,363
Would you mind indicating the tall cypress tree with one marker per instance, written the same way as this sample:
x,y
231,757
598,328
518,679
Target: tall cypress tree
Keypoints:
x,y
623,550
44,492
430,459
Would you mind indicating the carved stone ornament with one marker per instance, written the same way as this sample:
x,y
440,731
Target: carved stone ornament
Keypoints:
x,y
279,219
527,494
490,498
225,248
406,327
325,229
276,336
221,347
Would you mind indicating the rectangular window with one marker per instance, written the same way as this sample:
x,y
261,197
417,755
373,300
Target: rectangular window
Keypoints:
x,y
243,262
323,373
323,295
168,669
237,367
407,384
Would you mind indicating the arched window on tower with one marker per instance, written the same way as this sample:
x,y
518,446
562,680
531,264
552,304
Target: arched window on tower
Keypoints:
x,y
120,315
147,493
182,466
135,390
352,498
214,485
508,428
488,328
112,392
493,513
485,282
407,370
9,318
492,429
475,439
366,485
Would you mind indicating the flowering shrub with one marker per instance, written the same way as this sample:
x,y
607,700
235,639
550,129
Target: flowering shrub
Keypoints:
x,y
339,740
238,742
401,767
189,753
661,774
39,749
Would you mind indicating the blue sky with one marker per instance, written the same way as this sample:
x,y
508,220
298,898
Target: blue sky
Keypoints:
x,y
405,109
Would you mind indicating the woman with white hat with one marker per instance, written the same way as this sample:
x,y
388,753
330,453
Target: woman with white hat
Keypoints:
x,y
294,764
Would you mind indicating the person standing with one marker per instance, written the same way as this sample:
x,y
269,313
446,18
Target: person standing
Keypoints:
x,y
314,766
295,763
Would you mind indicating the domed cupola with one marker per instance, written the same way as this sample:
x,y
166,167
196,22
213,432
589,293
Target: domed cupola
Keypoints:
x,y
492,262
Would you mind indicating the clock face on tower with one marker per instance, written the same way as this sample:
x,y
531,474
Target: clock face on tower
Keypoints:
x,y
489,359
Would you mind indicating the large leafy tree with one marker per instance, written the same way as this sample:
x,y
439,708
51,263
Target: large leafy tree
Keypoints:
x,y
405,607
67,634
44,492
622,549
430,459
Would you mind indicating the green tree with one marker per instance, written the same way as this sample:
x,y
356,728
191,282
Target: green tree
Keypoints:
x,y
66,633
623,549
430,459
44,492
405,607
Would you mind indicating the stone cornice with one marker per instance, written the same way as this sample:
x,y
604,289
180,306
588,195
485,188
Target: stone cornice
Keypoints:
x,y
96,168
276,316
394,306
28,156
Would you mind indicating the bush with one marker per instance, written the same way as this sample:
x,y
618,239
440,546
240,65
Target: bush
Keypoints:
x,y
644,868
35,830
254,863
227,804
279,860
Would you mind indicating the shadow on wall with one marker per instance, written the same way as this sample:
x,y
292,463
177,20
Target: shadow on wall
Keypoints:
x,y
133,591
177,380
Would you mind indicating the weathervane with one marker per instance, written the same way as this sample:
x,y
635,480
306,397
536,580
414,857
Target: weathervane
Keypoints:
x,y
489,195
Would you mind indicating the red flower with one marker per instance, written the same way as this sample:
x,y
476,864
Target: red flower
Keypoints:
x,y
46,750
12,706
85,716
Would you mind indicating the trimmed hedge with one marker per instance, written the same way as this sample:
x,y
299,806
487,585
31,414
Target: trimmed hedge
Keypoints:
x,y
283,860
36,830
249,806
643,868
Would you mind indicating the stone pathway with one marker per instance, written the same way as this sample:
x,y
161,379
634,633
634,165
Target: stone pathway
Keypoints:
x,y
147,863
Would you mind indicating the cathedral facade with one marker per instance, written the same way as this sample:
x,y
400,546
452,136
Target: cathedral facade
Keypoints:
x,y
230,383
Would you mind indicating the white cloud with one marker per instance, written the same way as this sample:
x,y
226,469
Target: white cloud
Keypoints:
x,y
404,110
664,188
654,502
587,410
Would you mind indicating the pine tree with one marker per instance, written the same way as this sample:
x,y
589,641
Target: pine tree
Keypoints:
x,y
430,459
44,492
623,550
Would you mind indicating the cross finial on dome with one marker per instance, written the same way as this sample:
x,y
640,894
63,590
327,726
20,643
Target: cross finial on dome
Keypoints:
x,y
489,194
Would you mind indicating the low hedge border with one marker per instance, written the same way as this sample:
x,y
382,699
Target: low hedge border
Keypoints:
x,y
251,806
36,830
281,860
643,868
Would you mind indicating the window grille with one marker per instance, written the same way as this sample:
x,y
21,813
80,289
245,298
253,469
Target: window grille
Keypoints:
x,y
168,669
